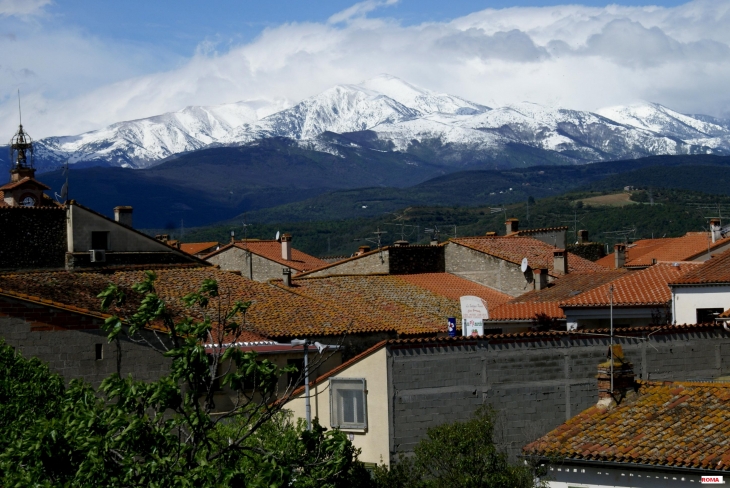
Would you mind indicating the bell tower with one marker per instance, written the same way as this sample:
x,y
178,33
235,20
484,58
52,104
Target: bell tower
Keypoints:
x,y
21,153
23,190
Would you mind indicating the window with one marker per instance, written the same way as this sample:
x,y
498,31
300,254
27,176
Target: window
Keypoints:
x,y
707,315
348,403
100,240
99,350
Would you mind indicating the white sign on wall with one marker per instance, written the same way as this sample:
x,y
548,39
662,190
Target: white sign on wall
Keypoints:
x,y
473,314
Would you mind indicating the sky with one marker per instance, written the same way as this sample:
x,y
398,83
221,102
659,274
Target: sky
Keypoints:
x,y
82,65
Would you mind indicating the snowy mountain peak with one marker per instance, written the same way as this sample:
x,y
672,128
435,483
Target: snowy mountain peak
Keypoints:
x,y
399,114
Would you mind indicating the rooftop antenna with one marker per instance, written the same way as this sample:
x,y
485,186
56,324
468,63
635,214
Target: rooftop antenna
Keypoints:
x,y
245,231
63,197
20,112
377,240
400,219
575,222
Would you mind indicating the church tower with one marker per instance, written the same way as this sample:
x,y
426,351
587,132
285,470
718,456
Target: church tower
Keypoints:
x,y
23,190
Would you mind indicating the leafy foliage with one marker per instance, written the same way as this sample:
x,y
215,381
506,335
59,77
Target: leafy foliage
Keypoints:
x,y
165,433
458,455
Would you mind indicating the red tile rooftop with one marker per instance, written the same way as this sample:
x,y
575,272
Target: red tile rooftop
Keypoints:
x,y
715,270
674,424
514,248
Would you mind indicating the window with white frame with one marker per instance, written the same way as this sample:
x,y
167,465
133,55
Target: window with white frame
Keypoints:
x,y
348,403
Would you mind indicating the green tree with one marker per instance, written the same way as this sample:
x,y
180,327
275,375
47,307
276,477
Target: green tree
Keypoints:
x,y
457,455
165,433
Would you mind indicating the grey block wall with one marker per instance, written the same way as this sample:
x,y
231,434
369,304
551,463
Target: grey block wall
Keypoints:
x,y
534,385
72,352
488,270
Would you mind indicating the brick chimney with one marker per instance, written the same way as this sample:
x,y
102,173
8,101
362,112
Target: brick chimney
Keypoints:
x,y
512,225
560,261
541,278
619,253
583,237
286,273
715,230
623,377
286,247
123,215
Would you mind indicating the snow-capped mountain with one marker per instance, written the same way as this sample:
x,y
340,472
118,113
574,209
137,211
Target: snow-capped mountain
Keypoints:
x,y
400,116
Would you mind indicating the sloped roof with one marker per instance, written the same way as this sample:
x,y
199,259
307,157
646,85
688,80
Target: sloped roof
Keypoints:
x,y
24,181
427,300
196,247
276,312
685,248
714,270
271,249
646,287
514,248
547,301
544,230
667,424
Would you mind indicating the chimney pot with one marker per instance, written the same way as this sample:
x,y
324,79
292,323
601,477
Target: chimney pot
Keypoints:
x,y
286,272
362,250
583,237
512,225
123,215
560,261
400,243
490,234
623,377
286,247
619,251
541,278
715,230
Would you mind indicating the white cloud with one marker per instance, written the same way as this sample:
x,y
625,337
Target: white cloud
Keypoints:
x,y
22,7
571,55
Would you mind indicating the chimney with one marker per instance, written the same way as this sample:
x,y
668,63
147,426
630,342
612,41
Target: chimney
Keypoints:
x,y
286,272
434,241
123,215
233,236
400,243
512,225
362,250
286,247
490,234
619,252
582,237
560,261
541,278
715,230
623,377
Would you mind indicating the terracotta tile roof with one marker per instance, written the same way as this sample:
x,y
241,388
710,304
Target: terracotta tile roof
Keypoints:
x,y
528,232
646,287
514,248
714,270
24,181
682,425
685,248
410,303
197,247
547,301
725,314
275,313
271,249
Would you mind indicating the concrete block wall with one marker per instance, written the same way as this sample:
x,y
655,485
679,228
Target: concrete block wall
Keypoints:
x,y
488,270
67,343
534,385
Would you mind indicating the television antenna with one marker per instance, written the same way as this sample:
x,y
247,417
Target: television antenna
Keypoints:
x,y
434,233
621,235
575,221
64,189
494,210
377,240
245,231
400,222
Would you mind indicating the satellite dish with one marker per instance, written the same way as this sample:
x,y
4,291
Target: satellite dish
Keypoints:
x,y
524,265
64,191
277,236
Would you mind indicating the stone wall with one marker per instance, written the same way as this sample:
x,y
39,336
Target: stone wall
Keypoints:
x,y
416,259
535,385
488,270
32,237
363,265
259,269
68,343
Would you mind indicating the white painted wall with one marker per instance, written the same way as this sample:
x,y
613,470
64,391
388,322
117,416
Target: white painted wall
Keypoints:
x,y
374,442
687,299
